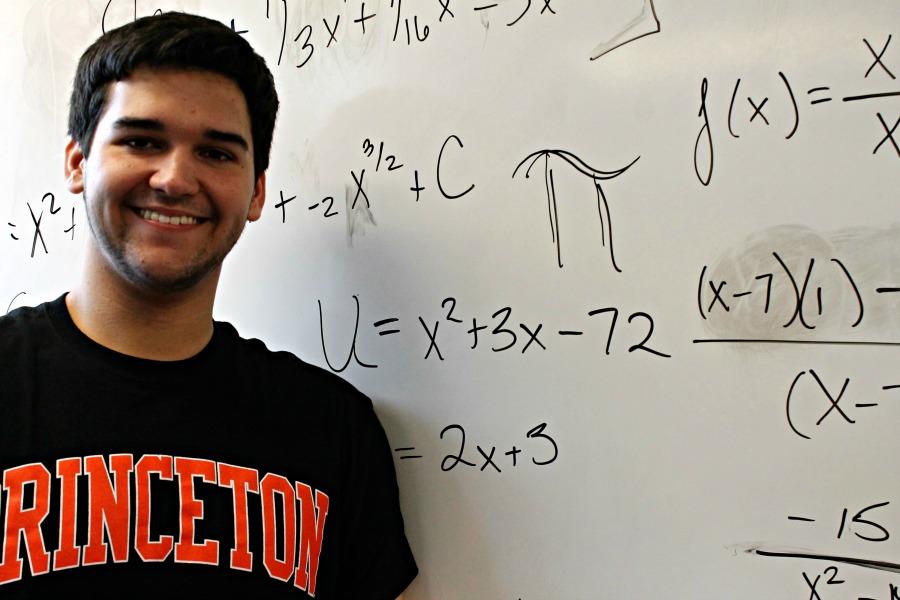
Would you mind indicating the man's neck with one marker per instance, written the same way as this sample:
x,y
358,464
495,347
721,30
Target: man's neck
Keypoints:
x,y
157,326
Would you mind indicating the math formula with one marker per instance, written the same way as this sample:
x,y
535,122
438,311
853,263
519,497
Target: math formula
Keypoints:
x,y
537,448
501,332
747,110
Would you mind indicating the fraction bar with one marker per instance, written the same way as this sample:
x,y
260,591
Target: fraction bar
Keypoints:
x,y
780,341
869,96
859,562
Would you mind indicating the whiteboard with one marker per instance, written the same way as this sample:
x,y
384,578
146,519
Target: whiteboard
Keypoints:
x,y
643,256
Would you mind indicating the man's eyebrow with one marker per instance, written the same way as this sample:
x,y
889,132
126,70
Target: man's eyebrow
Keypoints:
x,y
138,123
227,137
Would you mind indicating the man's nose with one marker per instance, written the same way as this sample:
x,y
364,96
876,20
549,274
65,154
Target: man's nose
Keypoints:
x,y
175,174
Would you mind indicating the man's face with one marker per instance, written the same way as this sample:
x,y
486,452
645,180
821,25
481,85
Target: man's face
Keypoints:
x,y
169,181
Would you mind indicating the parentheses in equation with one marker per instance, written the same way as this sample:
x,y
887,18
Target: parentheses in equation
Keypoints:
x,y
859,299
283,29
798,293
794,103
737,85
700,292
788,406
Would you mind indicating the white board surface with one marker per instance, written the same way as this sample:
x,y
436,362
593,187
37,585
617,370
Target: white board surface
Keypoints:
x,y
761,144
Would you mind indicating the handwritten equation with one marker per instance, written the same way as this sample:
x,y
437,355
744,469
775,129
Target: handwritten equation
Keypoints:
x,y
755,115
539,449
865,522
798,291
830,398
500,332
41,213
379,157
360,22
357,21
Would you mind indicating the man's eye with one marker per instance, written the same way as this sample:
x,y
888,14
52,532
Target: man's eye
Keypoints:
x,y
140,143
217,155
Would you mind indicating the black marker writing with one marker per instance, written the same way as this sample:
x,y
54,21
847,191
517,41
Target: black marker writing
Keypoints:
x,y
351,355
596,176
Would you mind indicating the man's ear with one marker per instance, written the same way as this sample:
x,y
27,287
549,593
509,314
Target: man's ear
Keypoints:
x,y
258,198
74,167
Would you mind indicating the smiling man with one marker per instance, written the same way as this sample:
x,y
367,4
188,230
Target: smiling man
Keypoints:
x,y
147,450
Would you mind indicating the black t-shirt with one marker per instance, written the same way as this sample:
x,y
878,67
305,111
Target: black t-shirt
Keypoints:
x,y
239,472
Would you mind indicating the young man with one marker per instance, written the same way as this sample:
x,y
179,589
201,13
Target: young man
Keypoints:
x,y
146,450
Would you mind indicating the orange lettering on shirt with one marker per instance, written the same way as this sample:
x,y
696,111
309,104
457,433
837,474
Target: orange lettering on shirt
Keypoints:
x,y
21,521
109,507
240,480
186,550
269,486
162,466
67,555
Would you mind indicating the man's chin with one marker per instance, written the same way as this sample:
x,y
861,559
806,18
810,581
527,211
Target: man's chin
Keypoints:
x,y
165,279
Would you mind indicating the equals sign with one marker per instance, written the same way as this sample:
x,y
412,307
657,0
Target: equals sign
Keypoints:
x,y
816,90
384,322
407,456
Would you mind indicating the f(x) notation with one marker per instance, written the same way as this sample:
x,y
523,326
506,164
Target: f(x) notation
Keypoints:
x,y
596,176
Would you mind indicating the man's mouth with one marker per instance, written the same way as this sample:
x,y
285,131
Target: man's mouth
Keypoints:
x,y
152,215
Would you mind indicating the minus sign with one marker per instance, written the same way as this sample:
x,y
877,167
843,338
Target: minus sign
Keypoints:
x,y
884,290
890,387
571,333
741,294
313,206
866,405
801,519
484,7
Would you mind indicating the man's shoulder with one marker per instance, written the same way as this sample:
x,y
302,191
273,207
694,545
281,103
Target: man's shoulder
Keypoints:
x,y
22,324
284,369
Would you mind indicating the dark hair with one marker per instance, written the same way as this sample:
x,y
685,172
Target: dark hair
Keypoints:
x,y
174,40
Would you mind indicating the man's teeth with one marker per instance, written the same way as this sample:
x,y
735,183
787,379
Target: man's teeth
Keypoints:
x,y
152,215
